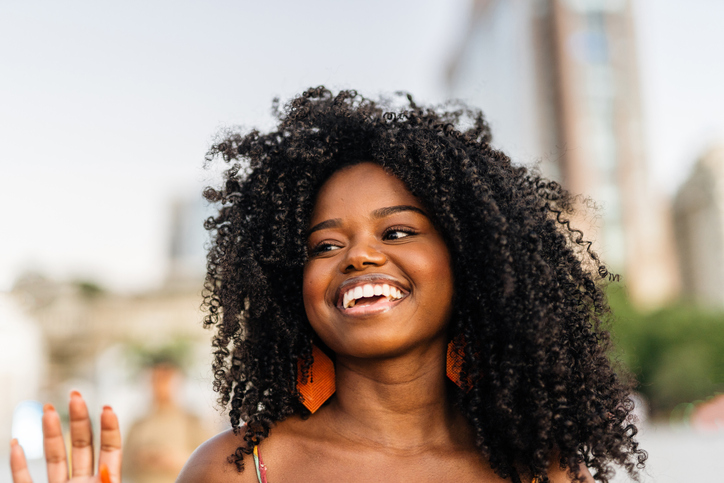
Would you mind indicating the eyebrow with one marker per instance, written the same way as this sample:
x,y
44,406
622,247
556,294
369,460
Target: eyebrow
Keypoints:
x,y
377,214
391,210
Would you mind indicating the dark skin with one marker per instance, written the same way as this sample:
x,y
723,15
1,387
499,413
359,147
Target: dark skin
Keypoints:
x,y
390,418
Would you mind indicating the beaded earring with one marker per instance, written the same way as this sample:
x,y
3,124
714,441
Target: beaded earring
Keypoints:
x,y
320,384
455,365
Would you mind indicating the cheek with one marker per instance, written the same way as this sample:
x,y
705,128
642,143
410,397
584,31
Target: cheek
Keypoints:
x,y
314,292
308,288
431,266
313,289
437,264
440,271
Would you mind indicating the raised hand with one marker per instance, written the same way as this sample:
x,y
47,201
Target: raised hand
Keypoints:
x,y
81,437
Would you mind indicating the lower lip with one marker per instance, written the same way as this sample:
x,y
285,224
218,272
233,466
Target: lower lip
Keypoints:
x,y
373,309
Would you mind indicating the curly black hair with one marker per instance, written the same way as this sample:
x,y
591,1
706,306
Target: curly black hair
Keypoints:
x,y
530,305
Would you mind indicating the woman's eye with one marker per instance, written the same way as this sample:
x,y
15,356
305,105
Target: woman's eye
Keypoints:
x,y
398,233
323,248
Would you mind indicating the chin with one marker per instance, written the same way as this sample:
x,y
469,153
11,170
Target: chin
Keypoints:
x,y
375,347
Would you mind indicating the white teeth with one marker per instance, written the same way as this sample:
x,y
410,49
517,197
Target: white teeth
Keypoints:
x,y
350,297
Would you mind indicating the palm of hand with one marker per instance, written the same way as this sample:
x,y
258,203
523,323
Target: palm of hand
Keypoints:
x,y
81,436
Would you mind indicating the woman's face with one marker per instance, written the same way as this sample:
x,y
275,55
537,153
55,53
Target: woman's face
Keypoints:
x,y
378,281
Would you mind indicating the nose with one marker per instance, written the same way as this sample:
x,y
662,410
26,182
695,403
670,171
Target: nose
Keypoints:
x,y
362,254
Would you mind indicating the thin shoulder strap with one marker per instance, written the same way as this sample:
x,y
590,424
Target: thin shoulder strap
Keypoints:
x,y
259,466
261,469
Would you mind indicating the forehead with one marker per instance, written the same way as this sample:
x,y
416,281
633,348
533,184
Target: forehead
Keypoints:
x,y
363,186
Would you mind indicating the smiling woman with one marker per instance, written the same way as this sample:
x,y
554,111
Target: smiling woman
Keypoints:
x,y
395,300
360,254
379,240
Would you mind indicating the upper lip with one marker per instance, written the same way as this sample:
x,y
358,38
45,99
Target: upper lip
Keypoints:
x,y
367,278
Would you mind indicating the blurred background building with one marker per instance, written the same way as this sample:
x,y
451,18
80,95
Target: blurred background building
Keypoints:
x,y
109,345
558,81
699,228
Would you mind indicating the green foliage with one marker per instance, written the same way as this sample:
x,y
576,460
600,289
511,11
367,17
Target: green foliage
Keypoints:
x,y
676,353
89,288
176,352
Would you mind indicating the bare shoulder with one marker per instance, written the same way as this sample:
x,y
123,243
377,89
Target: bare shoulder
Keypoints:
x,y
209,462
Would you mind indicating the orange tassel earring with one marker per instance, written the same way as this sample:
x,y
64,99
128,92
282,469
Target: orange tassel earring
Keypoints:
x,y
320,384
455,365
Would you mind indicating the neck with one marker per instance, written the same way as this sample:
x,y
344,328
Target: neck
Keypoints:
x,y
163,404
400,403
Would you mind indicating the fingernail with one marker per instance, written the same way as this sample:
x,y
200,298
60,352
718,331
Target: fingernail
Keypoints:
x,y
105,477
75,394
48,407
13,442
107,408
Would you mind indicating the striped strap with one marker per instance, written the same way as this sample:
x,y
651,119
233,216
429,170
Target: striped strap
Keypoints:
x,y
256,464
258,468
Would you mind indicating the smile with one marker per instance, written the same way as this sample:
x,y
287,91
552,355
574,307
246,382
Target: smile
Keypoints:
x,y
369,294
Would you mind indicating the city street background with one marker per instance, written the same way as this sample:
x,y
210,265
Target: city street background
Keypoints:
x,y
107,111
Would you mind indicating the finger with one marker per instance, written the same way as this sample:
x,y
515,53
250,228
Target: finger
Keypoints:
x,y
110,444
104,474
18,465
55,458
81,436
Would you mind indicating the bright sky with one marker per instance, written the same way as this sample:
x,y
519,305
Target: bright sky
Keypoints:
x,y
106,109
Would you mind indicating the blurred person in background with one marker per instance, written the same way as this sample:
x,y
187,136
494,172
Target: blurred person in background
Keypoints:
x,y
395,300
158,444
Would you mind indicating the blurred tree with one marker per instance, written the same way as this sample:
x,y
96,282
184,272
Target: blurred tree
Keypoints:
x,y
89,288
676,353
175,352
